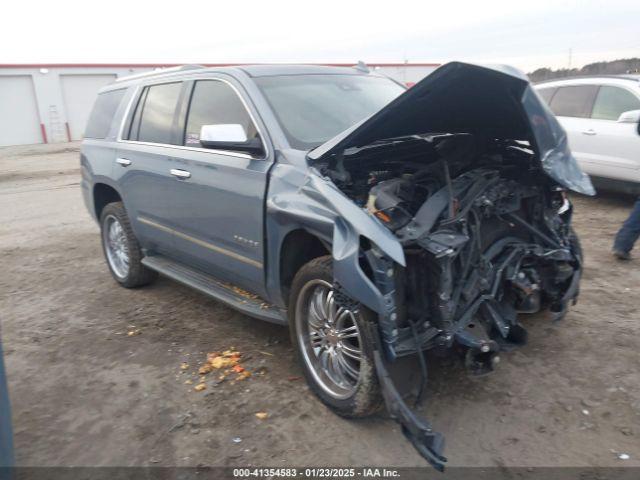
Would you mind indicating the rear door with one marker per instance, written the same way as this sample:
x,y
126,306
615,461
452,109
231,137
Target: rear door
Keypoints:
x,y
143,163
216,199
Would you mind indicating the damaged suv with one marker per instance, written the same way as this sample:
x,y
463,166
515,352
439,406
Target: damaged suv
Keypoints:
x,y
377,222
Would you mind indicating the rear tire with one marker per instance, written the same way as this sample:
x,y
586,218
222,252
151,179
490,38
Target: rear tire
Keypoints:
x,y
334,345
121,248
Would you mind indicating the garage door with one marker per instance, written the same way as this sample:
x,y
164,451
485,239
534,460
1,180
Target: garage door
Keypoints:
x,y
19,120
79,92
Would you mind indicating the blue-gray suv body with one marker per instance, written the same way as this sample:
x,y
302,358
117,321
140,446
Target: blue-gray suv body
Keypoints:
x,y
377,222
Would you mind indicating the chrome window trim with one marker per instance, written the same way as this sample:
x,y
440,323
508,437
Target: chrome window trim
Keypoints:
x,y
136,95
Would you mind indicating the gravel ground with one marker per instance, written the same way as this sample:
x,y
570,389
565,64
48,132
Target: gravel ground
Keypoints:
x,y
84,392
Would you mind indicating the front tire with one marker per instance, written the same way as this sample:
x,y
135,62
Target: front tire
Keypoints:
x,y
333,344
121,248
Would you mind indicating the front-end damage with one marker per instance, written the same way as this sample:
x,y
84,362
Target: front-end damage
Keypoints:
x,y
449,217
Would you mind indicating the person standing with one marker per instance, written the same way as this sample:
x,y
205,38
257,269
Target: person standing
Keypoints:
x,y
628,234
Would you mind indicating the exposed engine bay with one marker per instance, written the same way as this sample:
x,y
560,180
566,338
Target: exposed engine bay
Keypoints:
x,y
486,236
466,174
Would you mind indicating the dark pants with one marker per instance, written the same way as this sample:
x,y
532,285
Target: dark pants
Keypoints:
x,y
629,232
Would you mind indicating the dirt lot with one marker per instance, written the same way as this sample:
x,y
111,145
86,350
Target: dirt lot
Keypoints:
x,y
86,393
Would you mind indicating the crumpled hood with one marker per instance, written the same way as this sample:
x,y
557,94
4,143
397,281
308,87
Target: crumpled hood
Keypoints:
x,y
496,101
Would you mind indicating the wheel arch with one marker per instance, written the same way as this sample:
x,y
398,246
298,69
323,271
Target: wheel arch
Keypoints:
x,y
297,248
104,194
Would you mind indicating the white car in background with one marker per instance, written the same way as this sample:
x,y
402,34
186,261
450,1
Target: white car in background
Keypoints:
x,y
601,116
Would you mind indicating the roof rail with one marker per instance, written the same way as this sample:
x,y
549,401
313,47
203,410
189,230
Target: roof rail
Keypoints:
x,y
159,71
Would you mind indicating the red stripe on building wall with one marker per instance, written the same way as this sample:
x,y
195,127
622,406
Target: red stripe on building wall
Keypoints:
x,y
44,133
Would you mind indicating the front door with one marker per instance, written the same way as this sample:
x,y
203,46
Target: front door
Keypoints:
x,y
216,201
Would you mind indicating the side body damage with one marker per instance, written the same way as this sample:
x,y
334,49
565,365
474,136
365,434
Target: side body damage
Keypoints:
x,y
446,214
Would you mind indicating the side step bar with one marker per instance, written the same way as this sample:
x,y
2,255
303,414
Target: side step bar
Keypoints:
x,y
244,302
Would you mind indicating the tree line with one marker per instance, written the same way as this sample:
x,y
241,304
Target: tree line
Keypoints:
x,y
613,67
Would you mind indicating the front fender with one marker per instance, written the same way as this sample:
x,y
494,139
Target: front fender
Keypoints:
x,y
347,271
306,200
354,217
350,224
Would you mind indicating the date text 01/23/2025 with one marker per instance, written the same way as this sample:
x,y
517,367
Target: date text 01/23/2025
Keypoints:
x,y
316,472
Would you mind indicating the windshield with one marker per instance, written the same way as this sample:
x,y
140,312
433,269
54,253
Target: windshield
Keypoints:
x,y
312,109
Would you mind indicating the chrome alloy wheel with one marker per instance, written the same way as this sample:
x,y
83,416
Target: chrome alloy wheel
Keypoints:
x,y
115,246
329,338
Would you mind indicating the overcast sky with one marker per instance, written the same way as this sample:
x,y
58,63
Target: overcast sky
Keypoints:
x,y
527,35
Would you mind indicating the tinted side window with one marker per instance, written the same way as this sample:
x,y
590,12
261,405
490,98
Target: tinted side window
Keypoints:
x,y
547,93
612,101
214,103
574,101
102,114
157,113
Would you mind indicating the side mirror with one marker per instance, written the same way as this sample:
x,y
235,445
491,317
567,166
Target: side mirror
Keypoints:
x,y
230,136
632,116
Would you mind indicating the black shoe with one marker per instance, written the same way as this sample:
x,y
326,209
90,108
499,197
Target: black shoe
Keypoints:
x,y
620,255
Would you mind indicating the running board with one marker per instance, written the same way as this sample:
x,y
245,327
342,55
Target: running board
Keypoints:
x,y
235,297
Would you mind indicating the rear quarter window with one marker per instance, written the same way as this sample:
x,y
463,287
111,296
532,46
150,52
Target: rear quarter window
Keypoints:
x,y
102,114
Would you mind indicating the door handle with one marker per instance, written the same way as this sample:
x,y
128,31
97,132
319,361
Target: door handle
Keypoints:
x,y
591,131
123,161
176,172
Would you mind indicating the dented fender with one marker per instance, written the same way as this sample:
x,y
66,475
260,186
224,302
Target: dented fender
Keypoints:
x,y
318,207
354,217
349,225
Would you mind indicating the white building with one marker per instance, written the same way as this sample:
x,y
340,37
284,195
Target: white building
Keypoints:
x,y
42,103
